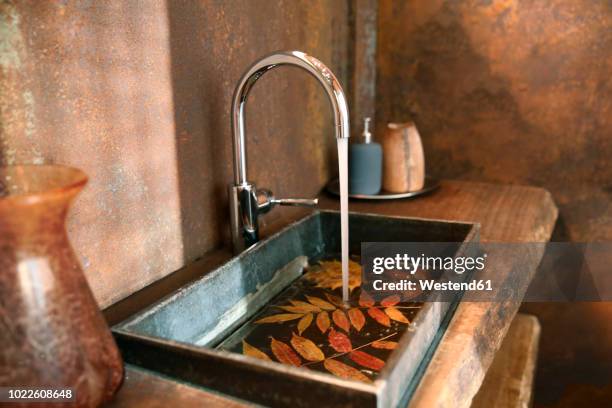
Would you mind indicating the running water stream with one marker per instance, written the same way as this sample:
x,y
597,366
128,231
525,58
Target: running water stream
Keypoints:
x,y
343,168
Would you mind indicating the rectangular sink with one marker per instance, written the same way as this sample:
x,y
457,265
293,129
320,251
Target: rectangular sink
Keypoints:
x,y
196,333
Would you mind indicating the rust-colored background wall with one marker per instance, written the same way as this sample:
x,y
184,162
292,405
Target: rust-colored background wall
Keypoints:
x,y
517,92
137,93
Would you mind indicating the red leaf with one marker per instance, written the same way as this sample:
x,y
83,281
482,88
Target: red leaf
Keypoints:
x,y
390,301
379,316
339,341
344,371
357,318
366,360
365,300
284,354
323,321
340,319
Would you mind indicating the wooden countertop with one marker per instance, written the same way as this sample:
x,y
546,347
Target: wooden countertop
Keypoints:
x,y
507,213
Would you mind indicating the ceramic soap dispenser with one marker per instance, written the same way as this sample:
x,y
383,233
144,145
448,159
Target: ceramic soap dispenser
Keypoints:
x,y
365,164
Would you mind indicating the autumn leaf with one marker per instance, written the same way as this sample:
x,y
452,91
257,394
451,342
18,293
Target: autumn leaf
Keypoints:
x,y
344,371
390,300
366,360
323,304
337,301
384,345
340,319
323,321
284,354
251,351
278,318
396,315
307,348
365,300
357,318
328,275
339,341
379,316
304,323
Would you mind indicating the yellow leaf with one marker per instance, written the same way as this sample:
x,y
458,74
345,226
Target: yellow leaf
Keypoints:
x,y
340,319
284,354
323,304
328,274
344,371
323,322
385,345
278,318
307,348
304,323
357,318
396,315
251,351
306,306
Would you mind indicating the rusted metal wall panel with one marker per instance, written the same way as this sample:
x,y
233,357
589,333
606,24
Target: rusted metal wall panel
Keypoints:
x,y
137,93
517,92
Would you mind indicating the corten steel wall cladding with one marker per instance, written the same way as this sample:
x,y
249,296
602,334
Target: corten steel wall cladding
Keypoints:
x,y
517,92
137,93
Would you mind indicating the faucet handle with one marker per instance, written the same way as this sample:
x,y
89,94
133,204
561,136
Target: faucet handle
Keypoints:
x,y
296,202
266,200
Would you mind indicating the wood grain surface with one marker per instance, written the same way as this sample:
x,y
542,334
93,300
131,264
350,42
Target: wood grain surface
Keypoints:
x,y
509,381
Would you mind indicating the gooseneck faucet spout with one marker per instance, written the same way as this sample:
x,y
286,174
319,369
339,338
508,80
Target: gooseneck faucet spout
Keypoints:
x,y
246,202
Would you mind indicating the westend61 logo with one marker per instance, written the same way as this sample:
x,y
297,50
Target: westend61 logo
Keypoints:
x,y
412,264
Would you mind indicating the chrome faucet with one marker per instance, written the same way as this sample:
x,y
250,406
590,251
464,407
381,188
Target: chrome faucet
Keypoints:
x,y
246,201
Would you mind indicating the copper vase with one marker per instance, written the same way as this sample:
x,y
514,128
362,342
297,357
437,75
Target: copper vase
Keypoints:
x,y
52,334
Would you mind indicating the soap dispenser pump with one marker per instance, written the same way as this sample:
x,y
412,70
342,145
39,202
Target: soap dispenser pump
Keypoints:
x,y
365,164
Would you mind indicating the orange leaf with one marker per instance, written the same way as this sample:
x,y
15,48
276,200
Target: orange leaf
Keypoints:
x,y
278,318
320,303
307,348
365,300
306,306
390,301
344,371
366,360
384,345
340,319
339,341
396,315
357,318
323,321
251,351
304,323
335,300
284,354
379,316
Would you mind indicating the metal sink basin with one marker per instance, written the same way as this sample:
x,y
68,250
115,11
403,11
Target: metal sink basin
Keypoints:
x,y
186,334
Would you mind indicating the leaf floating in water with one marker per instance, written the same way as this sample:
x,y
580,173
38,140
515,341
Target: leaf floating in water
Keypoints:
x,y
390,301
305,306
366,360
340,319
307,348
279,318
323,304
384,345
396,315
304,323
344,371
336,300
379,316
357,318
251,351
339,341
284,354
365,300
329,275
323,321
